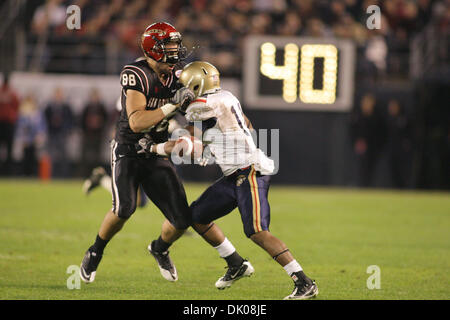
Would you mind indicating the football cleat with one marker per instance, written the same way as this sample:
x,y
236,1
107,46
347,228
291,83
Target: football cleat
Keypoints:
x,y
89,266
94,180
303,290
235,273
165,264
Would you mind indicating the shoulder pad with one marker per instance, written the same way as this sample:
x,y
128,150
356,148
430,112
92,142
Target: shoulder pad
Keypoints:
x,y
139,79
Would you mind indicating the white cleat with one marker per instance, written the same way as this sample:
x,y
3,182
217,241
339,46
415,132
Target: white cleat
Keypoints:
x,y
89,265
233,274
165,264
303,291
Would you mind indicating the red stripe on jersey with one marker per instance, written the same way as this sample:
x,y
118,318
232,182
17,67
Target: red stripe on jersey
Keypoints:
x,y
199,100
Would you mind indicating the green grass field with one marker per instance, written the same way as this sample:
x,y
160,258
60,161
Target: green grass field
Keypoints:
x,y
335,234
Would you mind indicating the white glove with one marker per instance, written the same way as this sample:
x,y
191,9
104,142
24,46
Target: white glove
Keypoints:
x,y
207,157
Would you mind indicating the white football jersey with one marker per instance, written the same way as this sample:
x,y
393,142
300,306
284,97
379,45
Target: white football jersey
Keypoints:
x,y
228,137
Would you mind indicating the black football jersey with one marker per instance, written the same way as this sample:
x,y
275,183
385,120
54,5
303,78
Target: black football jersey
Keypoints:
x,y
140,77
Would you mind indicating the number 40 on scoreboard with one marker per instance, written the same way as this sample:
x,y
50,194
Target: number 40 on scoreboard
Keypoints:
x,y
299,73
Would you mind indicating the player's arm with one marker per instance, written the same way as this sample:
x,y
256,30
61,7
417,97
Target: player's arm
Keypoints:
x,y
135,85
187,132
166,148
141,119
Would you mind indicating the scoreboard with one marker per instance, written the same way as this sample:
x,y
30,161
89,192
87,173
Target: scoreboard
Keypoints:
x,y
298,73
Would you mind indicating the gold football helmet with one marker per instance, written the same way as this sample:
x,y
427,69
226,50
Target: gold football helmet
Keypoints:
x,y
201,77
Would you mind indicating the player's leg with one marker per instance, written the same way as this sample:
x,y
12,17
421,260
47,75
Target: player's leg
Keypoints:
x,y
217,201
98,177
111,225
304,287
165,190
142,198
255,214
124,190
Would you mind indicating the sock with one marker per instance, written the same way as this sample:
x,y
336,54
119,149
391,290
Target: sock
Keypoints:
x,y
292,267
295,271
300,278
105,182
99,245
160,245
228,252
225,249
234,259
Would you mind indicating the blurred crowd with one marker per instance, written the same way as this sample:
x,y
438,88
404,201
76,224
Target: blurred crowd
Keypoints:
x,y
378,129
34,139
109,38
40,135
219,28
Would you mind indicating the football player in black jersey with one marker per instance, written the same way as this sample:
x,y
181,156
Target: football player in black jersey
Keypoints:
x,y
150,97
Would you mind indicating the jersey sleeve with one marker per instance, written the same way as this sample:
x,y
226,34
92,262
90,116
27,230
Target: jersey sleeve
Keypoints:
x,y
198,110
133,78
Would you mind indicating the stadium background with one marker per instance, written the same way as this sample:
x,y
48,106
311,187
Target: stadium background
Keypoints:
x,y
404,62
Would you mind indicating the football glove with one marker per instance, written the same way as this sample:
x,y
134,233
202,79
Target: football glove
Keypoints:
x,y
145,145
184,96
207,157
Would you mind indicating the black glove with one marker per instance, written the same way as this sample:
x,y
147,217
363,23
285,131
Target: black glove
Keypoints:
x,y
184,96
145,145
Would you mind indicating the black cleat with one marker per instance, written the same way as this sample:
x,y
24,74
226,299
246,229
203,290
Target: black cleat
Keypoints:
x,y
89,266
94,180
165,264
233,274
304,289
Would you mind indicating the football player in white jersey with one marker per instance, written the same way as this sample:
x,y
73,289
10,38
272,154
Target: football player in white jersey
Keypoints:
x,y
247,171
